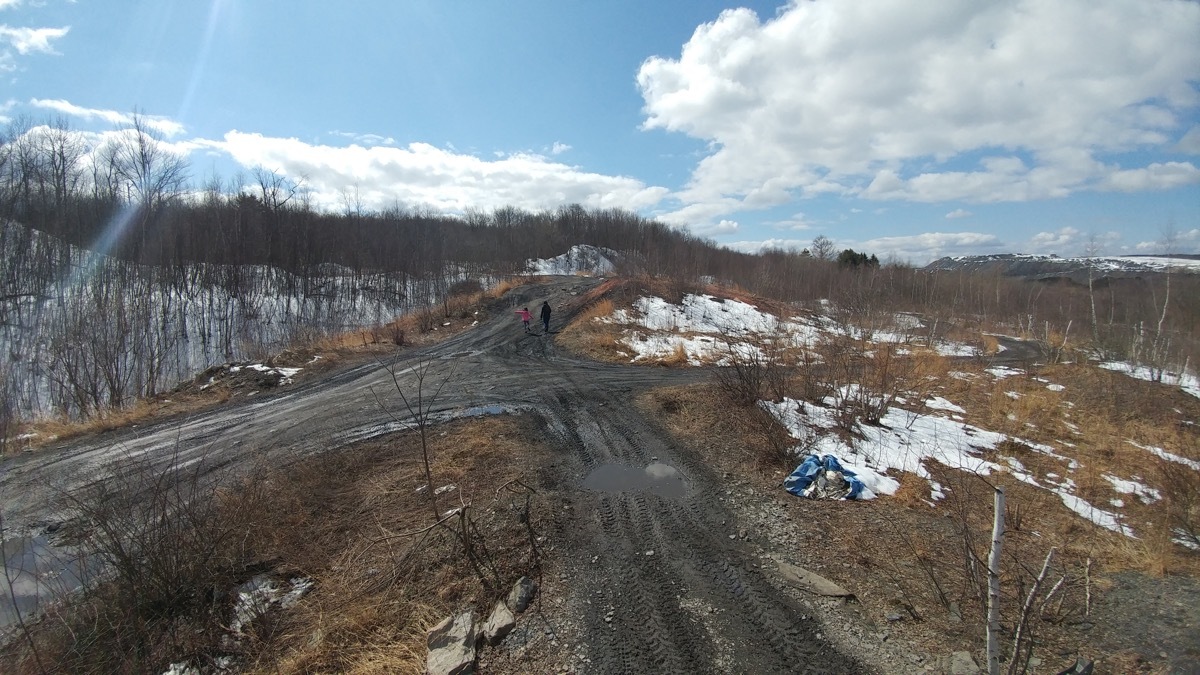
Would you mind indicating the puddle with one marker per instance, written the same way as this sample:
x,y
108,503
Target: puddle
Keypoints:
x,y
663,480
37,572
481,410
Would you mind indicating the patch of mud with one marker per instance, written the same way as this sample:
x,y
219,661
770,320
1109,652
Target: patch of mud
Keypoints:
x,y
657,478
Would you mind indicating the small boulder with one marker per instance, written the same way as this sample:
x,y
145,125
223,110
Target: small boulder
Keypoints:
x,y
452,646
521,594
961,663
499,624
810,581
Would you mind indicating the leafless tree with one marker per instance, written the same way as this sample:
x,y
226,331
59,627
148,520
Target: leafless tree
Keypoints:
x,y
822,248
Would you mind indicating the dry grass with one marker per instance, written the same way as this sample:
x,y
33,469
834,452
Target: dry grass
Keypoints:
x,y
905,555
378,591
990,344
353,521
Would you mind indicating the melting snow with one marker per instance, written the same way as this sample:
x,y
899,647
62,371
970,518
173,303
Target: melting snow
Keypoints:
x,y
1147,494
1167,455
939,403
1185,381
581,259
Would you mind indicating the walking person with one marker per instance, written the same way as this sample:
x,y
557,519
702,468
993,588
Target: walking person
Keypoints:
x,y
525,317
546,315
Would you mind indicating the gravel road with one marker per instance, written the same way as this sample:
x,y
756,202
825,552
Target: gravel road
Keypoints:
x,y
657,584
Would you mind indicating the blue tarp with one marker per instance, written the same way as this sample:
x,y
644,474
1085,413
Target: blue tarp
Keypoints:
x,y
823,477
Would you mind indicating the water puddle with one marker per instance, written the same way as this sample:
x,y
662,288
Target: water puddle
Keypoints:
x,y
663,480
37,572
481,410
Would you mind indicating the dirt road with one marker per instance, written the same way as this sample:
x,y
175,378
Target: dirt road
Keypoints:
x,y
656,581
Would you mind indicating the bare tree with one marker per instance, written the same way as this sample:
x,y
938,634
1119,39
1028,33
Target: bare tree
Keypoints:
x,y
1090,251
275,189
822,248
147,174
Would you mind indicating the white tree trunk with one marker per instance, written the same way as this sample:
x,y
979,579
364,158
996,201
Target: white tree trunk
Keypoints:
x,y
993,623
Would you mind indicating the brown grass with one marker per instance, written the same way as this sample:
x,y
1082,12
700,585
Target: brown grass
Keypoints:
x,y
341,519
990,344
378,591
896,545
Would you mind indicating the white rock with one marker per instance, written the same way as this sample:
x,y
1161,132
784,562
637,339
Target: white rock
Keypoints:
x,y
452,646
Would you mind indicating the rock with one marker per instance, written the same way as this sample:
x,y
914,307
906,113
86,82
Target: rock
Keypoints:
x,y
955,613
452,646
521,594
961,663
499,624
810,581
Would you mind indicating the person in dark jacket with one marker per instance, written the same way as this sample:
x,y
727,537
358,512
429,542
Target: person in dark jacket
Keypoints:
x,y
546,315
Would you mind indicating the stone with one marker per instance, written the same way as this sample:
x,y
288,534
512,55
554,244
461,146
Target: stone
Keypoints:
x,y
955,616
452,646
961,663
499,624
810,581
521,594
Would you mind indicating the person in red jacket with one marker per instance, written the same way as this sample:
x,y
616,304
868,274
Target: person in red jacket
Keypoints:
x,y
525,317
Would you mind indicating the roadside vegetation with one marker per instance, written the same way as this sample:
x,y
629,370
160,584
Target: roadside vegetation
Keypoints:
x,y
1084,443
348,530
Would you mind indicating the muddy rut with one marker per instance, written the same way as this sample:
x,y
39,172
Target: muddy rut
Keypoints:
x,y
656,582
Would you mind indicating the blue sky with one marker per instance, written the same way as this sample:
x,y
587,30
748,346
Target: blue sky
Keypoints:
x,y
889,126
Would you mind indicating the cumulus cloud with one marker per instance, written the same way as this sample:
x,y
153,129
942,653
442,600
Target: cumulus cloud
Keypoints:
x,y
163,125
423,174
1190,142
31,40
874,97
958,213
20,41
1157,175
1053,242
365,139
917,248
796,222
765,244
559,148
1187,241
925,247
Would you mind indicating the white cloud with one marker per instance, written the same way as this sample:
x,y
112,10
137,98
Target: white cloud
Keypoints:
x,y
724,226
1187,241
760,246
9,4
31,40
925,247
559,148
163,125
796,222
1190,142
369,140
958,213
423,174
1054,242
1154,176
872,97
918,248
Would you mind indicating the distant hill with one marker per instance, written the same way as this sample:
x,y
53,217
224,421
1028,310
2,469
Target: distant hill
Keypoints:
x,y
1076,269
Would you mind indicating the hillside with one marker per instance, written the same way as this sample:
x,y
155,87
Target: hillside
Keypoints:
x,y
1051,266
